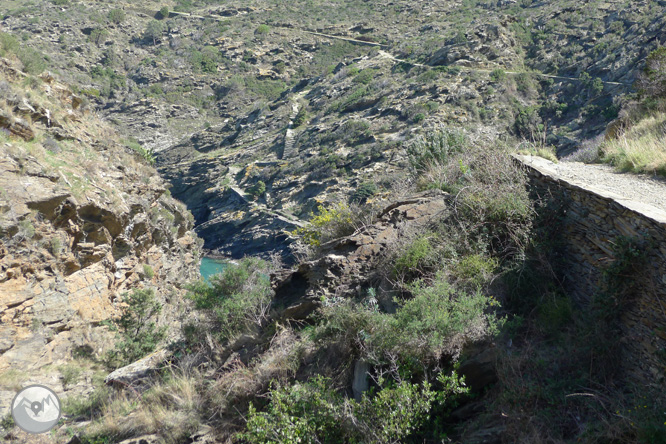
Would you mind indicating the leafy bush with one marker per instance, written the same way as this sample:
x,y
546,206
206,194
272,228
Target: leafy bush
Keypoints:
x,y
498,75
435,148
436,321
328,224
262,29
257,190
313,412
98,35
237,299
164,12
364,191
417,257
33,61
204,61
301,117
364,77
139,334
146,153
148,271
116,16
154,31
652,80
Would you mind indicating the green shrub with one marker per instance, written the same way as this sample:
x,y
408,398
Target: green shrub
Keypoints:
x,y
86,406
416,258
33,61
436,321
328,224
8,44
204,61
269,89
301,117
652,80
364,191
139,334
164,12
148,271
98,35
257,190
498,75
70,374
116,16
475,270
146,153
418,118
237,299
55,246
154,31
435,148
364,77
262,29
313,412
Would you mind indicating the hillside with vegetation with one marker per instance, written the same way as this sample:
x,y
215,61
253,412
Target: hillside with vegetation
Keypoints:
x,y
395,279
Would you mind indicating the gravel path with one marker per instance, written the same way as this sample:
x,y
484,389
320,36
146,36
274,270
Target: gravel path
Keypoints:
x,y
639,188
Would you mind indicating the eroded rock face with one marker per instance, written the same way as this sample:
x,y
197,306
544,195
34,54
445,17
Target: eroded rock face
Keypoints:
x,y
349,265
81,223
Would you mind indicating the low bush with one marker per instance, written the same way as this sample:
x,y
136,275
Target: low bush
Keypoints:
x,y
139,334
146,153
364,191
237,300
437,321
262,29
116,16
329,224
257,190
435,148
313,412
417,257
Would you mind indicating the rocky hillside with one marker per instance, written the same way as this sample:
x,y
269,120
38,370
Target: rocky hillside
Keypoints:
x,y
261,113
83,220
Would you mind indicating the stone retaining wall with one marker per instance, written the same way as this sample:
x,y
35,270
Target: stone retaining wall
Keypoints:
x,y
593,221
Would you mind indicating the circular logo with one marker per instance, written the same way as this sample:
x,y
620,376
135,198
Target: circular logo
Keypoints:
x,y
36,409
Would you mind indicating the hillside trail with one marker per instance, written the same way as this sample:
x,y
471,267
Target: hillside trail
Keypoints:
x,y
639,188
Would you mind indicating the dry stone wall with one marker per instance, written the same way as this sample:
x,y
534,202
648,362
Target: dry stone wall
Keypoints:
x,y
594,221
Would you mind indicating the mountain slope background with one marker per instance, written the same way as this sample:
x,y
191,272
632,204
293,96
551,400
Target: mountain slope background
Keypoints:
x,y
214,89
366,143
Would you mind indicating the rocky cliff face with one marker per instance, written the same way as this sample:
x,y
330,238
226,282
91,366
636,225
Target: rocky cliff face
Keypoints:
x,y
83,220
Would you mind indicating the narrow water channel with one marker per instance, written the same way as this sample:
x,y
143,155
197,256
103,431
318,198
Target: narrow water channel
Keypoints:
x,y
210,266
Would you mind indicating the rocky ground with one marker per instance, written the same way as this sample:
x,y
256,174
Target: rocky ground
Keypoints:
x,y
83,221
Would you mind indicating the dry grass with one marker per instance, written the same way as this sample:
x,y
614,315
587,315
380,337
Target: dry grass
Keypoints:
x,y
12,379
171,409
641,149
235,388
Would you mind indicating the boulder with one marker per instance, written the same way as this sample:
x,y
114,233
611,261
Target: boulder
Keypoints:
x,y
349,264
135,374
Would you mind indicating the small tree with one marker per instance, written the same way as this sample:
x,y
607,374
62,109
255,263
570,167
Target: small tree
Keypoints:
x,y
498,75
262,29
139,334
652,81
116,16
257,190
154,31
164,12
98,35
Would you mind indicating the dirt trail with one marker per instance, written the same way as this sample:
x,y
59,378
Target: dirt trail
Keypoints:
x,y
640,188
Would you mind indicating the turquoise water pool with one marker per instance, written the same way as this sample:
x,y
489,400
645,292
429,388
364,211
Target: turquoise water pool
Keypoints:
x,y
210,266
